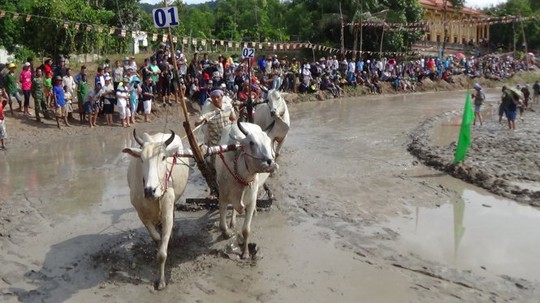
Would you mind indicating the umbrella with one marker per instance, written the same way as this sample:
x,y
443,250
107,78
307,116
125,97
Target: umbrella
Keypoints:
x,y
460,55
516,91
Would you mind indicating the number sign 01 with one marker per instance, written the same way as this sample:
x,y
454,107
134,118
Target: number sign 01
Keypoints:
x,y
248,52
165,17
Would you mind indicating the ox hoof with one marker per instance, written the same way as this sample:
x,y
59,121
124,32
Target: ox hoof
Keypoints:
x,y
227,234
161,285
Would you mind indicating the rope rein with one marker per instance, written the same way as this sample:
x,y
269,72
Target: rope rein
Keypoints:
x,y
234,172
169,173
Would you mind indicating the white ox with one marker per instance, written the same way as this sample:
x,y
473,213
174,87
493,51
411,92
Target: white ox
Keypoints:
x,y
277,112
155,184
240,173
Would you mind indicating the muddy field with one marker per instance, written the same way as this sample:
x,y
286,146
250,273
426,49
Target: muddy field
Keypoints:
x,y
357,216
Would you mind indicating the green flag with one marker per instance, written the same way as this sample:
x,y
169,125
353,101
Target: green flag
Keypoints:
x,y
464,140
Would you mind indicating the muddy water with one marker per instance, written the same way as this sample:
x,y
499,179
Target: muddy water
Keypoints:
x,y
352,205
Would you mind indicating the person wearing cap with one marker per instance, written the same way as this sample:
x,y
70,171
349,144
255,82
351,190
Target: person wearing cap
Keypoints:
x,y
122,97
109,99
479,98
12,90
26,84
59,101
133,63
147,94
126,64
134,88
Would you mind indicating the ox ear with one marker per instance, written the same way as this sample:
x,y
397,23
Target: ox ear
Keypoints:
x,y
133,151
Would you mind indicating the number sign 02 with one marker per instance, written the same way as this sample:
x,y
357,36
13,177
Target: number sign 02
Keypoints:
x,y
248,52
165,17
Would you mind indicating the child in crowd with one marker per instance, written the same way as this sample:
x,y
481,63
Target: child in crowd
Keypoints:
x,y
59,102
69,102
47,83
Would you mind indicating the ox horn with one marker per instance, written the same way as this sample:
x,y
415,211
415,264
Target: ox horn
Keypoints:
x,y
242,129
137,138
171,138
268,129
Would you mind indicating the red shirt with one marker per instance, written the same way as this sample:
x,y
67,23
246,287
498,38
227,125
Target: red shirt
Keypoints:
x,y
47,69
1,110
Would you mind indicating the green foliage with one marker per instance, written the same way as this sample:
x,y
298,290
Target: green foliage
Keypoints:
x,y
505,36
22,53
315,21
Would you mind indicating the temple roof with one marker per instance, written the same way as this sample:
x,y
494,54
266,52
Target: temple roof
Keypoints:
x,y
439,5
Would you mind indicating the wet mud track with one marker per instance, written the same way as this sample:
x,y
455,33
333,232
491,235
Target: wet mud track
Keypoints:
x,y
356,216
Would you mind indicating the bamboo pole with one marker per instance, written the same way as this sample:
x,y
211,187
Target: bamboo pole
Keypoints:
x,y
197,153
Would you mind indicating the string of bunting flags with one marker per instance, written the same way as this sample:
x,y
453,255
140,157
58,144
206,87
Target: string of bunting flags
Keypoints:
x,y
424,24
195,41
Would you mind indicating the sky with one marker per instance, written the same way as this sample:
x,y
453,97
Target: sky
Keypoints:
x,y
471,3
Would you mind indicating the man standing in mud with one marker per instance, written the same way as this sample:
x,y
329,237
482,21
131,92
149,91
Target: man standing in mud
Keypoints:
x,y
511,102
38,93
506,99
479,98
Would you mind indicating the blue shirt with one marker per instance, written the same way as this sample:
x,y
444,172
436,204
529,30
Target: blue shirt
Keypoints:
x,y
58,91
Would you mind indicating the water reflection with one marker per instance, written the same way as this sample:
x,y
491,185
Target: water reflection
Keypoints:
x,y
72,176
477,231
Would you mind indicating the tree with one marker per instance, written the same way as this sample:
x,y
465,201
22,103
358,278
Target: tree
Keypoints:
x,y
510,36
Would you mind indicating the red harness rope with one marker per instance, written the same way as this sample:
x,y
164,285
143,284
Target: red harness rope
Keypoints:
x,y
169,173
234,173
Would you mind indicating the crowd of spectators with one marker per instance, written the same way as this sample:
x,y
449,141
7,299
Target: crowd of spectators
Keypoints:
x,y
129,87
